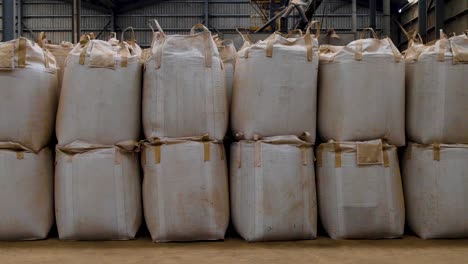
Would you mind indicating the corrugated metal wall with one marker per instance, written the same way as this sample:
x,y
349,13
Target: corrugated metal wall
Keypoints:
x,y
456,19
175,16
180,15
55,18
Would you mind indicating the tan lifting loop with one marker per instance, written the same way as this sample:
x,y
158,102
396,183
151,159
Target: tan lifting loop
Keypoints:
x,y
46,59
221,151
20,155
337,148
22,52
118,156
386,158
258,153
308,40
208,53
319,156
157,154
84,49
308,44
40,39
269,49
206,151
358,54
159,49
396,53
443,41
207,40
436,152
124,54
303,154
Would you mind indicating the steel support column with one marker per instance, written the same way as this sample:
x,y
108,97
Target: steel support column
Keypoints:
x,y
207,13
8,19
272,14
439,13
372,14
76,20
19,19
354,18
422,19
386,18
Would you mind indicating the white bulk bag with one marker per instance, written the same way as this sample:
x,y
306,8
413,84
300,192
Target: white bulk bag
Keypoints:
x,y
435,180
97,191
100,101
228,52
275,87
28,93
359,190
60,53
185,189
26,196
437,93
273,193
362,92
184,91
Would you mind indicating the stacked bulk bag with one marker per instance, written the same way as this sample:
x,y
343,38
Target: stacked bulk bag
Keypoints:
x,y
228,52
436,80
97,191
26,196
184,92
185,189
359,190
362,92
60,53
101,94
97,184
28,94
275,86
273,189
435,178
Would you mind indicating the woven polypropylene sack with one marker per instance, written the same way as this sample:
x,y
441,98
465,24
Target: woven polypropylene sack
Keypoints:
x,y
28,93
97,192
362,92
359,190
275,87
184,91
185,190
435,180
437,94
26,196
273,193
100,101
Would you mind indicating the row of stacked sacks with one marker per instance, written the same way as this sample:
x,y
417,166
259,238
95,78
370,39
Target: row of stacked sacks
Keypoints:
x,y
97,173
435,171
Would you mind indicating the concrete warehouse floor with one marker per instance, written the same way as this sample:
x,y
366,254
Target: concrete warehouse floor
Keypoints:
x,y
323,250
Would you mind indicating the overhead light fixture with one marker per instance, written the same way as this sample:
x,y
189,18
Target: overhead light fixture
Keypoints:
x,y
410,2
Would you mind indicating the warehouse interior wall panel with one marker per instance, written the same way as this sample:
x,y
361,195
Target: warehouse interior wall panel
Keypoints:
x,y
455,16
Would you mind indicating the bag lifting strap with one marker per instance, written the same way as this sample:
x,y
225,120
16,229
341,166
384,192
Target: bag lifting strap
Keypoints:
x,y
22,52
358,54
